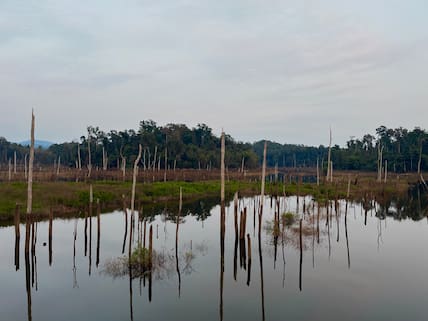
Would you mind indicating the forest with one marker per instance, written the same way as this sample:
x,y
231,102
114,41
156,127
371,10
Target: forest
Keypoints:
x,y
179,146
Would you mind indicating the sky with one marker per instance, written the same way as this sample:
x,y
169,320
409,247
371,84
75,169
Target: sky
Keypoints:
x,y
260,69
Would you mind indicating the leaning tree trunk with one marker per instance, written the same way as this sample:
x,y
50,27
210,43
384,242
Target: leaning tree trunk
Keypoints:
x,y
420,159
30,169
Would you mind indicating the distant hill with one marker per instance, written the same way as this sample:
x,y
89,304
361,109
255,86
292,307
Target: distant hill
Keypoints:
x,y
38,143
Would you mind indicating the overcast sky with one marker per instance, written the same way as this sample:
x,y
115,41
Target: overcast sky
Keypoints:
x,y
278,70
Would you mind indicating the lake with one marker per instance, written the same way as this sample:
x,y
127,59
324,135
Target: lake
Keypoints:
x,y
354,263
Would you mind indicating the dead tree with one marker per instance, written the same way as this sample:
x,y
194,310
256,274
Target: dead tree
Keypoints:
x,y
79,160
223,150
134,178
263,178
89,155
379,162
30,169
329,159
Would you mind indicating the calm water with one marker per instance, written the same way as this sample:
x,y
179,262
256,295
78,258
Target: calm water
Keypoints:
x,y
372,271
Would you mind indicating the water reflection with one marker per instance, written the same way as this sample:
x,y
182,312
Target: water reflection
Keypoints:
x,y
171,268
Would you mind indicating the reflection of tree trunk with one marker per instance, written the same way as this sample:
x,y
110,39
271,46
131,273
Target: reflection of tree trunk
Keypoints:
x,y
32,253
126,226
98,231
318,224
150,261
337,222
131,310
346,235
90,238
328,234
27,273
313,238
222,235
86,232
261,271
50,235
74,256
235,251
249,260
301,256
176,241
17,236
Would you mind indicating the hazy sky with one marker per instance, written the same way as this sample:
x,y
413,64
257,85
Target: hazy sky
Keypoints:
x,y
279,70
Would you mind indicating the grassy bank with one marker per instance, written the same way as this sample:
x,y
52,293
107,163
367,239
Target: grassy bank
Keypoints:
x,y
72,197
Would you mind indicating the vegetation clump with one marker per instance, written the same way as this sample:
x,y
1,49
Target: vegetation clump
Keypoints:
x,y
288,218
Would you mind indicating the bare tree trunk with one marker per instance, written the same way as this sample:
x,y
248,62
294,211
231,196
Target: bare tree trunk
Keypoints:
x,y
329,158
223,151
276,173
104,160
144,159
318,173
14,162
58,165
331,171
379,163
386,170
30,169
154,158
123,167
166,164
10,170
349,187
134,179
25,166
242,164
89,156
262,197
420,159
79,159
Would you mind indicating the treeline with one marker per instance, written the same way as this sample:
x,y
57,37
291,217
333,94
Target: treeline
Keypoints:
x,y
178,146
402,150
175,145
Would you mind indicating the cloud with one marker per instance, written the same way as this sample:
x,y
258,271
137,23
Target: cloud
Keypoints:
x,y
274,64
